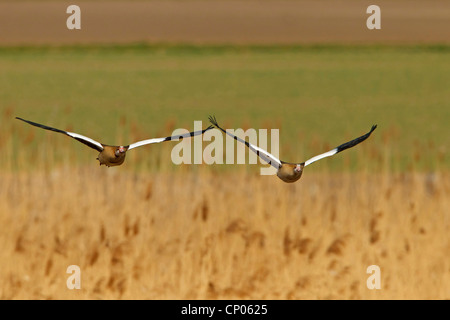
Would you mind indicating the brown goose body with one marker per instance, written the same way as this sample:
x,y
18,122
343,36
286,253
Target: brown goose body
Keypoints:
x,y
111,156
289,172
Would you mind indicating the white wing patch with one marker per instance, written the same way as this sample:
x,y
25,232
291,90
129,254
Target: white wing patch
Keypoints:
x,y
158,140
263,154
144,142
321,156
79,136
269,158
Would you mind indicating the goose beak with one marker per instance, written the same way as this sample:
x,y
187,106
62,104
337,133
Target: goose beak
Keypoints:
x,y
120,150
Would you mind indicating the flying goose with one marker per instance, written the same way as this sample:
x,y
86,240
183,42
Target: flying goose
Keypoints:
x,y
291,172
113,155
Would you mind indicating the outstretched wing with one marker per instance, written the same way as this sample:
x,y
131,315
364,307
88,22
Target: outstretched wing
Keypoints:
x,y
263,154
85,140
340,148
158,140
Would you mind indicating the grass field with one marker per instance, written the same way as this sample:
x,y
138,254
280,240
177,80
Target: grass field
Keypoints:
x,y
152,230
317,96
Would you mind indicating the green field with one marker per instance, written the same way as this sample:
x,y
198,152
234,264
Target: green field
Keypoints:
x,y
317,96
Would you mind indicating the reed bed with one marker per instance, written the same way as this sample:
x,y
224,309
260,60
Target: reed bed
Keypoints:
x,y
215,235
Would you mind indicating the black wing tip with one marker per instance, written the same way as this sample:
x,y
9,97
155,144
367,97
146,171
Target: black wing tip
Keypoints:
x,y
373,128
213,120
31,122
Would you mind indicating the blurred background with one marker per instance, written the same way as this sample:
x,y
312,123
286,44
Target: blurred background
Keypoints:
x,y
152,230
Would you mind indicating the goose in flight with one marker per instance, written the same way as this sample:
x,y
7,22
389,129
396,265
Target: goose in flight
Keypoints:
x,y
113,155
291,172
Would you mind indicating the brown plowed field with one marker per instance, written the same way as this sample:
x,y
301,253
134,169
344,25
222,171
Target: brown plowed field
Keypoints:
x,y
232,22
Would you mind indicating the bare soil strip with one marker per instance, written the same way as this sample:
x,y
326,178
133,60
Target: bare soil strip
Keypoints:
x,y
225,22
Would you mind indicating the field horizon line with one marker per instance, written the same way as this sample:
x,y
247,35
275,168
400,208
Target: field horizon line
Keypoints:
x,y
184,47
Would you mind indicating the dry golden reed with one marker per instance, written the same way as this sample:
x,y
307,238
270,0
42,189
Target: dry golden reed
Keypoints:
x,y
209,235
